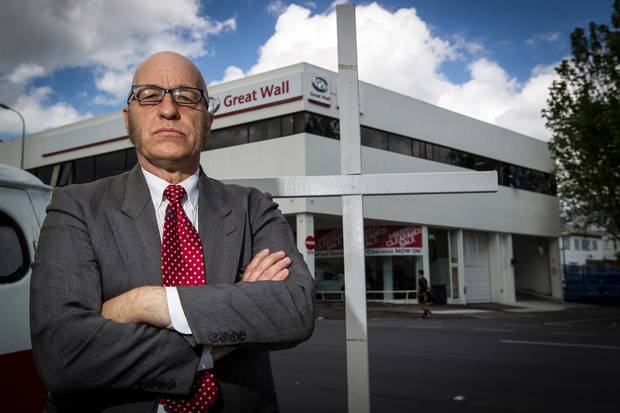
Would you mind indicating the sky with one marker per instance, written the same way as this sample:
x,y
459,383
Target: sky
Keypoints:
x,y
67,60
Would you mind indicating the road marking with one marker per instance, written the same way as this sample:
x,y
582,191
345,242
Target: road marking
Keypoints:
x,y
583,320
565,333
430,327
498,330
522,325
548,343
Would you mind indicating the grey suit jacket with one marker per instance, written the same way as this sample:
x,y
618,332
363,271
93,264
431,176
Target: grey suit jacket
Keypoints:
x,y
101,239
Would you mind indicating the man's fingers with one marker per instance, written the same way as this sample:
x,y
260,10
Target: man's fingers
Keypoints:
x,y
249,269
281,275
278,266
265,266
268,261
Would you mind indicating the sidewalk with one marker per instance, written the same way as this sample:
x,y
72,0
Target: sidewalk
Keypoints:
x,y
525,304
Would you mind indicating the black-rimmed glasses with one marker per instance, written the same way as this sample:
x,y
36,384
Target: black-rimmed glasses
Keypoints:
x,y
152,95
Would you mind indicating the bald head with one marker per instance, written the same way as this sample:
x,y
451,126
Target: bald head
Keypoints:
x,y
169,65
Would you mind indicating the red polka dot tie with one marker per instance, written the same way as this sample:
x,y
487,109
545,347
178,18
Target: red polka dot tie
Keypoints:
x,y
182,264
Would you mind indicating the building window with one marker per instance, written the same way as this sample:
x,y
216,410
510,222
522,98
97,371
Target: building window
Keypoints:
x,y
577,244
14,255
594,245
109,164
265,129
374,138
399,144
223,138
88,169
288,125
585,244
566,243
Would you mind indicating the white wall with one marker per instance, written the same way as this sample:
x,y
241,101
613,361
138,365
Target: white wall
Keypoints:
x,y
10,152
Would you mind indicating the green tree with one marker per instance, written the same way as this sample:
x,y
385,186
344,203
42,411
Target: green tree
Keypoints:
x,y
583,114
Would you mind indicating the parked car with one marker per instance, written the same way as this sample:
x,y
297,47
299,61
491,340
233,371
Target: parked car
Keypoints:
x,y
23,199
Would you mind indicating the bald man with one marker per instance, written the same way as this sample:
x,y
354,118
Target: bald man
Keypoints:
x,y
162,289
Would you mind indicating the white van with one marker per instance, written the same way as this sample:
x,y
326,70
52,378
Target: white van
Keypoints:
x,y
23,199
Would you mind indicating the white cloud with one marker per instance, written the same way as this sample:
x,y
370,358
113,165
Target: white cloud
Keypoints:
x,y
109,36
398,51
231,73
37,114
276,7
549,37
25,72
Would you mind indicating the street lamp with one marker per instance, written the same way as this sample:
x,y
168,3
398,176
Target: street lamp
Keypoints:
x,y
3,106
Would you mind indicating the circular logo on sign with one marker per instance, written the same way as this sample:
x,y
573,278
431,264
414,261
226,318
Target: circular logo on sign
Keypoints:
x,y
320,84
214,104
310,242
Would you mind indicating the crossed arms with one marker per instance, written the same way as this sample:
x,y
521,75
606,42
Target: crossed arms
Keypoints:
x,y
79,272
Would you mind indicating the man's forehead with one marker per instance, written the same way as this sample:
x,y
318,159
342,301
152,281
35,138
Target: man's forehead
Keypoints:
x,y
172,70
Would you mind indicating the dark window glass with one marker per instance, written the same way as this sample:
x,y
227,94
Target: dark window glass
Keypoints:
x,y
84,170
14,256
66,175
301,119
131,158
484,164
374,138
444,155
109,164
399,144
44,173
418,149
429,151
288,125
265,129
222,138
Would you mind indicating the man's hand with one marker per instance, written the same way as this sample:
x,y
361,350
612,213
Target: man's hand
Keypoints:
x,y
267,266
149,305
146,304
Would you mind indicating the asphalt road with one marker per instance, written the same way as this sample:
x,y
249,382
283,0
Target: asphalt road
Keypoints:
x,y
567,361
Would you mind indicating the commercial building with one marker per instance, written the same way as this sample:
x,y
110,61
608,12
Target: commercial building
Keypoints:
x,y
482,247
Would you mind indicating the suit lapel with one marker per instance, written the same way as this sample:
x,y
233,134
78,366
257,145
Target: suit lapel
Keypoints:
x,y
135,225
216,226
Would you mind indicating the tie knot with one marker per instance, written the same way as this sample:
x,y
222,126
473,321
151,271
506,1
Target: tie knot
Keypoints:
x,y
175,193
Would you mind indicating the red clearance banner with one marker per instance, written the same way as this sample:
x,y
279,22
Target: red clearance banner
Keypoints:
x,y
388,240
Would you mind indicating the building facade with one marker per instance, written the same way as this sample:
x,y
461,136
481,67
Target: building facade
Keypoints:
x,y
481,247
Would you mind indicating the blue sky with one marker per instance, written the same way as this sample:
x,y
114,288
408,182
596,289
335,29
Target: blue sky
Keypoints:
x,y
492,60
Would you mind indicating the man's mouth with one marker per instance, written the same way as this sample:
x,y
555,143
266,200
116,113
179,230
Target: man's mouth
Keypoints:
x,y
169,132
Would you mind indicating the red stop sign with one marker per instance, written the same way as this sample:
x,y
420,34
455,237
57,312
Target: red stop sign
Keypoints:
x,y
310,242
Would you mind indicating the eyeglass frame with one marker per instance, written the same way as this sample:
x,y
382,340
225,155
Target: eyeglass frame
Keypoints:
x,y
132,95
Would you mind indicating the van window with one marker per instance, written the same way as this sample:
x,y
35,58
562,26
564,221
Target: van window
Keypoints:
x,y
14,257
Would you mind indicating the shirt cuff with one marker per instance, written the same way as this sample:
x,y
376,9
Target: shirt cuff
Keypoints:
x,y
177,315
206,359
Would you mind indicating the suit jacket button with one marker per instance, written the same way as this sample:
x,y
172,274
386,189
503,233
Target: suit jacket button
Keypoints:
x,y
242,335
214,337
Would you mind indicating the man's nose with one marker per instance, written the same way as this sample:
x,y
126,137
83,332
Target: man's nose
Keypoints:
x,y
168,109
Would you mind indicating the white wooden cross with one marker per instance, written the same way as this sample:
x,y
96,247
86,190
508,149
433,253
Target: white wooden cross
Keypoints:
x,y
352,185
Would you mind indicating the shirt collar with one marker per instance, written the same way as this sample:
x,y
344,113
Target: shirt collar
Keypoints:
x,y
157,186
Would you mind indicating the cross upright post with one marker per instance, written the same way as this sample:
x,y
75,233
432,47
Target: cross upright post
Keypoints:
x,y
358,394
352,185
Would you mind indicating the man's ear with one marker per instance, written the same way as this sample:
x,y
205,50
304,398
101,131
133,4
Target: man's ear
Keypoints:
x,y
126,118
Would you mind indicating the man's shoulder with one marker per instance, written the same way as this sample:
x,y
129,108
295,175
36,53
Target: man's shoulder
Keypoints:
x,y
109,188
235,192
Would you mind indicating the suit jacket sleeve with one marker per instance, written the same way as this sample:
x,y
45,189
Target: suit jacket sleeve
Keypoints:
x,y
74,347
264,314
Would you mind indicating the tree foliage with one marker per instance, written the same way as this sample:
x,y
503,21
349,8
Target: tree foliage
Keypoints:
x,y
583,114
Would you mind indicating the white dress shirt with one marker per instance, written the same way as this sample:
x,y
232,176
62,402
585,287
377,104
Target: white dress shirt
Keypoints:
x,y
156,187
